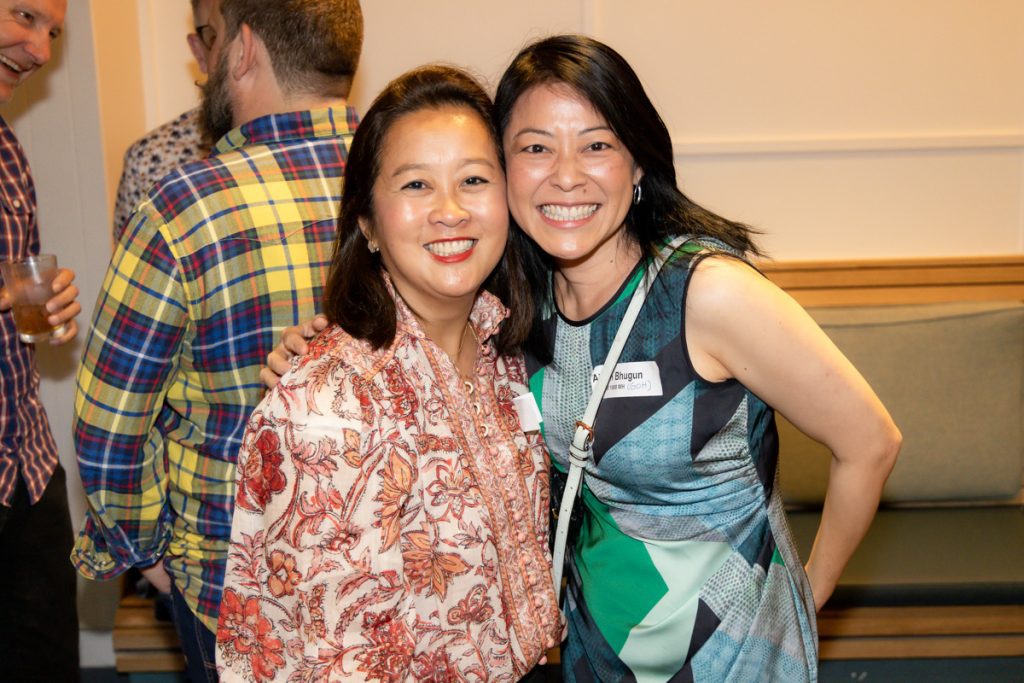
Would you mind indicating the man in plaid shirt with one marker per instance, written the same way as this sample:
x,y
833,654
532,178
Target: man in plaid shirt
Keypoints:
x,y
223,254
38,619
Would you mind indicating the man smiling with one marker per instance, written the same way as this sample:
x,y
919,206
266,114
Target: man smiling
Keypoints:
x,y
38,620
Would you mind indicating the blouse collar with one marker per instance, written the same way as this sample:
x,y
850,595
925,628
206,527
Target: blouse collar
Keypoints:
x,y
486,316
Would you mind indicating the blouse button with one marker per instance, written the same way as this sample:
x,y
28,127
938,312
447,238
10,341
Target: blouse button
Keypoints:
x,y
16,203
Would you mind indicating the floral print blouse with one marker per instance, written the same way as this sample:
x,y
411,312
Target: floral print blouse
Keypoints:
x,y
391,519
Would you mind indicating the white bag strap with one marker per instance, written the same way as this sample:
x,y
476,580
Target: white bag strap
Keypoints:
x,y
579,449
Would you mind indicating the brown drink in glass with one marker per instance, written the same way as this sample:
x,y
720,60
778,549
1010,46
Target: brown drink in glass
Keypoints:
x,y
29,283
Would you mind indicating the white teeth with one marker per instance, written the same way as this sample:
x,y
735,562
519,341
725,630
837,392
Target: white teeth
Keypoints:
x,y
12,65
557,212
450,247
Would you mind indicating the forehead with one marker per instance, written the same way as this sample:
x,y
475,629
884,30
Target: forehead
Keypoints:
x,y
434,124
48,11
553,100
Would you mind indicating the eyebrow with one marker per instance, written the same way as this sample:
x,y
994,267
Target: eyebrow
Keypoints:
x,y
545,133
404,168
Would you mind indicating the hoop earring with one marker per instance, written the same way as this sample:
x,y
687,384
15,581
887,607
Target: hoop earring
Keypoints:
x,y
638,194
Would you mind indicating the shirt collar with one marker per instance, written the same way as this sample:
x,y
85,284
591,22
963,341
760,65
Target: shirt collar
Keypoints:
x,y
295,125
486,316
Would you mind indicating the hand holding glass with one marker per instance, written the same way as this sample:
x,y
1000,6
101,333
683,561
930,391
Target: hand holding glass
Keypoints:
x,y
29,283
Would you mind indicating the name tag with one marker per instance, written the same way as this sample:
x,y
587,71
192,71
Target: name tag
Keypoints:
x,y
632,379
529,413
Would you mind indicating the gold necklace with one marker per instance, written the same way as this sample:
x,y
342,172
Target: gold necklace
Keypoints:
x,y
458,357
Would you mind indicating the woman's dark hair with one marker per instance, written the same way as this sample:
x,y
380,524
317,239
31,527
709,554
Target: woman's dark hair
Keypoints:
x,y
601,75
604,79
356,296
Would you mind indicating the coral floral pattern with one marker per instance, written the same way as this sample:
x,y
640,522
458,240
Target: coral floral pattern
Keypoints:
x,y
391,520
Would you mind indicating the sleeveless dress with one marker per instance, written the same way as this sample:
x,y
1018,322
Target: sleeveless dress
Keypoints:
x,y
683,568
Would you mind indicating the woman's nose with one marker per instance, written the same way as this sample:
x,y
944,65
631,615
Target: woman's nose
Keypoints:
x,y
449,211
567,173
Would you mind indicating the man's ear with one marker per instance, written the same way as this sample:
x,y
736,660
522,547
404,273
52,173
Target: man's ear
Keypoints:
x,y
199,52
245,50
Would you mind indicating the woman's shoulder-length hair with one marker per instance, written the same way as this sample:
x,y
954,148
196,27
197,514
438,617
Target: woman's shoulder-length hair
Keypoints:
x,y
356,296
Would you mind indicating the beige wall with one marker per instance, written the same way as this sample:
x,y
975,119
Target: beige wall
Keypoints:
x,y
117,44
842,130
168,68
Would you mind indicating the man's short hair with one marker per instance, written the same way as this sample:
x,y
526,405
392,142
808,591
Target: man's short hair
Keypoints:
x,y
314,45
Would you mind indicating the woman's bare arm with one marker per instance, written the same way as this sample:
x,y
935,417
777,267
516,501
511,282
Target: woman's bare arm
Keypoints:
x,y
741,325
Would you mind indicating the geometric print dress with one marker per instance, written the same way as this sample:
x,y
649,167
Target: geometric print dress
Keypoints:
x,y
683,568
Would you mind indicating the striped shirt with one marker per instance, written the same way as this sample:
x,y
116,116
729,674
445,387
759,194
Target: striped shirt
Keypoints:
x,y
224,254
26,444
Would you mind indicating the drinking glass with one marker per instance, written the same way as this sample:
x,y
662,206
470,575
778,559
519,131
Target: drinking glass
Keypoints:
x,y
29,283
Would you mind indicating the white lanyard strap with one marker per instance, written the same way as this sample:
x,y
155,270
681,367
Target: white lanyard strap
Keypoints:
x,y
579,449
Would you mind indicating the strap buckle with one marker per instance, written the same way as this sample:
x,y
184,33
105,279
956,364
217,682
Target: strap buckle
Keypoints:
x,y
580,424
579,449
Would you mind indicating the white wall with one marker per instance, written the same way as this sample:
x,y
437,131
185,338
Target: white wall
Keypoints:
x,y
842,130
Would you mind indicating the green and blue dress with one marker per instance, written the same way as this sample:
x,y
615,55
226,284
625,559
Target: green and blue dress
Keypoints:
x,y
684,568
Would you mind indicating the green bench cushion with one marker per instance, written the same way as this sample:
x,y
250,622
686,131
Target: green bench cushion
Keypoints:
x,y
952,376
933,556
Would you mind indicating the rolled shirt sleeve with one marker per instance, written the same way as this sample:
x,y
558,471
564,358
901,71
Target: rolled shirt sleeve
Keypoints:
x,y
130,357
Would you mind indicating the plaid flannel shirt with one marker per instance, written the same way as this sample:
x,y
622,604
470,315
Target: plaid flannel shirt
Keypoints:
x,y
224,254
26,443
153,156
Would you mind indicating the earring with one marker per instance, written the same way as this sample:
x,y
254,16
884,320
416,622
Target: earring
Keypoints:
x,y
638,194
372,246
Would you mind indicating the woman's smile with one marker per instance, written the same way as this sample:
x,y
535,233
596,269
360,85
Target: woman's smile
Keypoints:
x,y
563,213
451,251
570,178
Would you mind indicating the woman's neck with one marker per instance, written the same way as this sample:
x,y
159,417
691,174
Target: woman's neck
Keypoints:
x,y
453,334
583,287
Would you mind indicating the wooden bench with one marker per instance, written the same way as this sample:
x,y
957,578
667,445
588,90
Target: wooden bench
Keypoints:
x,y
985,620
141,642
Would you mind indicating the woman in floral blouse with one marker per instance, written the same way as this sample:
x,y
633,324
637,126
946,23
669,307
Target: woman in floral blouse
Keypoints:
x,y
391,514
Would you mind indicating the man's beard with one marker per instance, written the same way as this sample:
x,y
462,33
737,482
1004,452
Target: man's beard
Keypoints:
x,y
215,115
